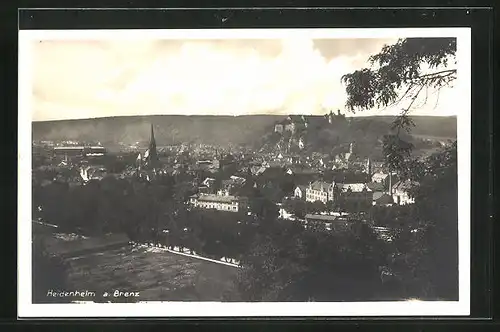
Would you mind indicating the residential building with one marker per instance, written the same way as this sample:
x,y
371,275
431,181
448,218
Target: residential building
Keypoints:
x,y
257,170
300,192
376,186
356,194
382,199
401,194
320,191
227,203
230,185
377,166
302,175
380,177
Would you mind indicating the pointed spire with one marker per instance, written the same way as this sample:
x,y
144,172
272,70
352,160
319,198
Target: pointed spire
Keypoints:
x,y
152,157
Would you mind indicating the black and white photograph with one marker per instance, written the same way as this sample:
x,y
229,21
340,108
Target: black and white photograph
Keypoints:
x,y
244,172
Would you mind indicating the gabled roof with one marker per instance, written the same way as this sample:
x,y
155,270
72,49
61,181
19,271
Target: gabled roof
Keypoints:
x,y
237,179
218,198
382,198
404,185
379,176
273,171
375,186
302,170
321,185
301,187
257,169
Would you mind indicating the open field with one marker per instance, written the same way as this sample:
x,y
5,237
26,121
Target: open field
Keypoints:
x,y
108,264
157,276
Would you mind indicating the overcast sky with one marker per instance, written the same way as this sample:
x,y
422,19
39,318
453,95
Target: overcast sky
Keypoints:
x,y
86,79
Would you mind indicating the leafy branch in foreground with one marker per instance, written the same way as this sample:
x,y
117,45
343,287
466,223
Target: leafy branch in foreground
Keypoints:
x,y
397,73
401,72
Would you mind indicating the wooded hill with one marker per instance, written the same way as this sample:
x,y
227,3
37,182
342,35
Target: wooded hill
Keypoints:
x,y
218,130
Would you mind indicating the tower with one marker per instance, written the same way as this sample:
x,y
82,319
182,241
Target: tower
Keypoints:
x,y
152,154
330,117
369,167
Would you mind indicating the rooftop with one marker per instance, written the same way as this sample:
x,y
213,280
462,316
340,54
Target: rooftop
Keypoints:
x,y
375,186
382,198
354,187
380,176
404,185
321,185
218,198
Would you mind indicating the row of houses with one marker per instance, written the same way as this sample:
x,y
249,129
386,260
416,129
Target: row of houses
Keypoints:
x,y
374,193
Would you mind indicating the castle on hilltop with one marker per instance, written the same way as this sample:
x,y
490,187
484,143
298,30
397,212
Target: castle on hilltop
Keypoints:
x,y
296,123
332,117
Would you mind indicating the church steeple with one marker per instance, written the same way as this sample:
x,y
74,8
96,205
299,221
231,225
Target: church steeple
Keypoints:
x,y
152,158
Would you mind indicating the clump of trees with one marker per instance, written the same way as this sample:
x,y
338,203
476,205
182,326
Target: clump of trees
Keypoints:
x,y
426,247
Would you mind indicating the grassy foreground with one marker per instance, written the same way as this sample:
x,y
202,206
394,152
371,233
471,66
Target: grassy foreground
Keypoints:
x,y
153,274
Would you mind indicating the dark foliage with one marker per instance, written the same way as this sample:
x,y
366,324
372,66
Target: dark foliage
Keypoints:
x,y
49,274
399,66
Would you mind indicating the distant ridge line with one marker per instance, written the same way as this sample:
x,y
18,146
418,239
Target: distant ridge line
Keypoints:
x,y
233,116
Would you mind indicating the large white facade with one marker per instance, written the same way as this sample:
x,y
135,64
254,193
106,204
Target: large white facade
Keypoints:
x,y
219,202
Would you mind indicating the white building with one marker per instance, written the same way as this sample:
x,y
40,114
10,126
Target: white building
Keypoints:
x,y
209,182
300,192
400,193
219,202
278,128
380,177
320,191
357,193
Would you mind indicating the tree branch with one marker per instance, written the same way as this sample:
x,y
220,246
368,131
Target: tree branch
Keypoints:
x,y
447,71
